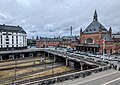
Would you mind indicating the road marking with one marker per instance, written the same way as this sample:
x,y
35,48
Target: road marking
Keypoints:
x,y
98,77
111,81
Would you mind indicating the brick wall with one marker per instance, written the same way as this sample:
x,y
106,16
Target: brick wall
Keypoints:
x,y
97,39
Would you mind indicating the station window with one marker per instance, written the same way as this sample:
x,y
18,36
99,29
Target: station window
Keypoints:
x,y
6,36
16,45
7,39
7,46
1,40
7,42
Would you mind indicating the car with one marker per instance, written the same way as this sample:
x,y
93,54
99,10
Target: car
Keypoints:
x,y
81,56
91,55
70,51
90,59
116,57
97,53
86,54
104,57
97,56
77,52
82,53
99,61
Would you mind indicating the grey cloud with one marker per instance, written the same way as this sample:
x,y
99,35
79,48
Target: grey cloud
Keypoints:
x,y
54,17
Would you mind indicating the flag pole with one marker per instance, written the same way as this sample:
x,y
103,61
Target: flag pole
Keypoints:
x,y
103,49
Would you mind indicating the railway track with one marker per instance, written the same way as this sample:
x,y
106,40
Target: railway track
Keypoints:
x,y
40,78
33,72
18,62
23,67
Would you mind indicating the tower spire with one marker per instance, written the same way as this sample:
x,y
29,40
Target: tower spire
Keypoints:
x,y
95,16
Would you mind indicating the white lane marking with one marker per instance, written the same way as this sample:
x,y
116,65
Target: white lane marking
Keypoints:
x,y
111,81
98,77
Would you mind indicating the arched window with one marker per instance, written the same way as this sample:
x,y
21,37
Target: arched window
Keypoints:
x,y
89,41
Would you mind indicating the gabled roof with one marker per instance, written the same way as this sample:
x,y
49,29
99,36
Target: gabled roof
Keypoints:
x,y
107,38
95,26
71,37
50,39
8,28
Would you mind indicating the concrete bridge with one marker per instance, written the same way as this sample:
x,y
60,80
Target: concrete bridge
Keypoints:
x,y
71,60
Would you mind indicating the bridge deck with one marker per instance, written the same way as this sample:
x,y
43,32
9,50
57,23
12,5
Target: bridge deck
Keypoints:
x,y
74,57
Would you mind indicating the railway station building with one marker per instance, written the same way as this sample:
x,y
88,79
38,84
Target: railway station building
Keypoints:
x,y
96,38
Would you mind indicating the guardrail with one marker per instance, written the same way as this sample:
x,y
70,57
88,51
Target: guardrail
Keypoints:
x,y
71,76
22,51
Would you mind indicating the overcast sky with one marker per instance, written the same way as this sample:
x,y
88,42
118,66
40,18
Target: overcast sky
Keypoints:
x,y
54,17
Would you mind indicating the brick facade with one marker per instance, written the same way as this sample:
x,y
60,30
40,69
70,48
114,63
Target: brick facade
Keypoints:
x,y
91,39
64,42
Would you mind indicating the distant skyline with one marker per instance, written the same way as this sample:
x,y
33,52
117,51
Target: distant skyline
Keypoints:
x,y
51,18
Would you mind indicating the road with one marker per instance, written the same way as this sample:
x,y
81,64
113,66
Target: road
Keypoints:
x,y
110,77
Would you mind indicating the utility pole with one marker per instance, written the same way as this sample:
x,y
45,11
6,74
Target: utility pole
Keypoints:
x,y
45,60
15,70
53,66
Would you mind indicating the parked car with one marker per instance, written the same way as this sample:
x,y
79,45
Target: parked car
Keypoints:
x,y
77,52
97,56
90,59
86,54
82,53
91,55
104,57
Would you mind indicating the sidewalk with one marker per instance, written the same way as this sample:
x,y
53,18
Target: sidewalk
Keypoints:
x,y
96,75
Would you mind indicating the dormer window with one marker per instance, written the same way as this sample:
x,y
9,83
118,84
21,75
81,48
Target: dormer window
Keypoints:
x,y
90,30
94,30
86,30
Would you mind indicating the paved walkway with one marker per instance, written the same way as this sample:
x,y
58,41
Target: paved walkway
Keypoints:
x,y
102,78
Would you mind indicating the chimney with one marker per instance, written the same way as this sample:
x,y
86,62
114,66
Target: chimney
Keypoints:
x,y
71,31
